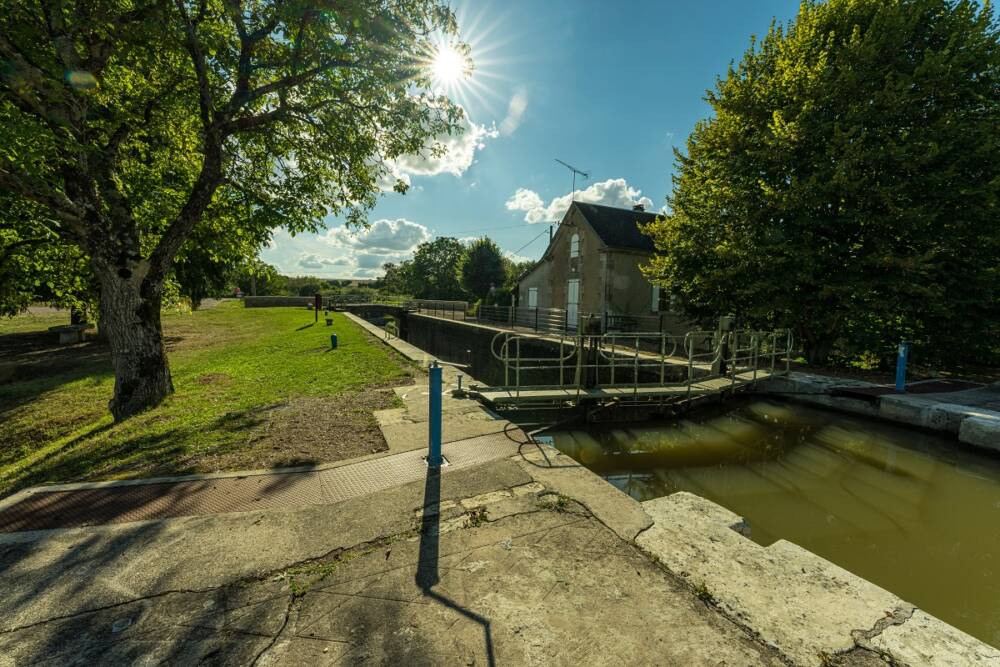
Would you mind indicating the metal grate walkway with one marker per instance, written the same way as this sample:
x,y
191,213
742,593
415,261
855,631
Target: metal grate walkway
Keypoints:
x,y
44,510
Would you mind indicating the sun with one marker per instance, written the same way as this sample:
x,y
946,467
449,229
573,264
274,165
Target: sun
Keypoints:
x,y
448,67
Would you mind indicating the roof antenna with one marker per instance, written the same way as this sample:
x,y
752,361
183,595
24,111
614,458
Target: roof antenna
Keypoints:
x,y
575,172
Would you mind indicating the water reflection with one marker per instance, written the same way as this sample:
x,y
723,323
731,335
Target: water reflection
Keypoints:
x,y
916,513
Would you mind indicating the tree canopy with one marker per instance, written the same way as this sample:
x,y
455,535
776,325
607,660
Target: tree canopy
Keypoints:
x,y
847,184
482,267
434,273
130,129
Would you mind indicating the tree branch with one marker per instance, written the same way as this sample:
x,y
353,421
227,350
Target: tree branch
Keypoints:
x,y
8,250
205,104
25,76
60,205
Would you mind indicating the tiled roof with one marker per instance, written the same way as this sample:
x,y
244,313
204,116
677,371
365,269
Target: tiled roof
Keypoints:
x,y
618,227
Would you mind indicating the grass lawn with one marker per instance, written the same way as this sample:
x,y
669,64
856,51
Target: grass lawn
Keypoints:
x,y
255,388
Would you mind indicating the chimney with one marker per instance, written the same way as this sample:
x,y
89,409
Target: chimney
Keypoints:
x,y
639,207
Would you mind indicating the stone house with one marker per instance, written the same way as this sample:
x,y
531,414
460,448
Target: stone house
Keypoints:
x,y
592,268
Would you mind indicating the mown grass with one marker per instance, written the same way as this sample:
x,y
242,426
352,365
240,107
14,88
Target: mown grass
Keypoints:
x,y
231,366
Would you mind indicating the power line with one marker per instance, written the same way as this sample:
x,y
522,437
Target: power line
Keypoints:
x,y
489,229
544,231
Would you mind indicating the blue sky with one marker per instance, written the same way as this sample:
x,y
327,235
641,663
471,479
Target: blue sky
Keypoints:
x,y
607,87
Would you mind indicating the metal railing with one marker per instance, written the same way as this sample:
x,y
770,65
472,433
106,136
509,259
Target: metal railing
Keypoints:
x,y
617,360
538,320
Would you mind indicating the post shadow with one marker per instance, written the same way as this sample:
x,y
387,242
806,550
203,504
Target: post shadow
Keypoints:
x,y
427,575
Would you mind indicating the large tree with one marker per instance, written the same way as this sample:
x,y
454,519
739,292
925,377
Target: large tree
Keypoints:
x,y
398,278
847,185
434,271
133,123
482,268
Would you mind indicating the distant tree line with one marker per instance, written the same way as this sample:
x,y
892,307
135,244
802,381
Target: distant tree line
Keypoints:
x,y
446,268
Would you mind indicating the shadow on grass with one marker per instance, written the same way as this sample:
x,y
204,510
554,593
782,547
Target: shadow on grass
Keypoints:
x,y
31,365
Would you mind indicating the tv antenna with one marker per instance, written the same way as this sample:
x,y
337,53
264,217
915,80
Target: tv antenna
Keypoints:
x,y
575,171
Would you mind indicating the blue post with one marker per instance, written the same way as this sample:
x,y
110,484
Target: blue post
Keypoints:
x,y
904,351
434,459
333,341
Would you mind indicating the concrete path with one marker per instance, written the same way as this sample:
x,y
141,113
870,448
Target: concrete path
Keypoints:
x,y
89,504
485,565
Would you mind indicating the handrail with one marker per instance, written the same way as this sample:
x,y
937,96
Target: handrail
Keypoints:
x,y
619,359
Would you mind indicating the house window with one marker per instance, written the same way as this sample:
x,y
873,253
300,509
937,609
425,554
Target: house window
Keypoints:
x,y
662,300
532,297
574,246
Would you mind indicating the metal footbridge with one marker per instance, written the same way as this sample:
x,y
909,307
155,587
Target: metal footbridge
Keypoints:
x,y
633,369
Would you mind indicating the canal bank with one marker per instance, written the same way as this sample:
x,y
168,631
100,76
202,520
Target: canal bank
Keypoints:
x,y
972,415
812,611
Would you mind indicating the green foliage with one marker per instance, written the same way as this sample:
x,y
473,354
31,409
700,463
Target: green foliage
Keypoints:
x,y
482,268
398,278
261,279
433,273
139,132
304,285
35,266
514,270
847,184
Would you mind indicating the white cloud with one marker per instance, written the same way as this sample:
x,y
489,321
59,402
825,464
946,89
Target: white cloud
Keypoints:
x,y
517,259
314,261
612,192
366,260
458,154
515,112
341,253
524,200
383,236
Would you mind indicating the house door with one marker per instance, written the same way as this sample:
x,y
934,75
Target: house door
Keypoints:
x,y
572,303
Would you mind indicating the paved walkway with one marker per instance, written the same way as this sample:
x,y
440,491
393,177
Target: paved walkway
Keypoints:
x,y
483,565
72,506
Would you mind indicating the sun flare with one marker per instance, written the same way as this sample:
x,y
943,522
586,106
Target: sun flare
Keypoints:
x,y
448,65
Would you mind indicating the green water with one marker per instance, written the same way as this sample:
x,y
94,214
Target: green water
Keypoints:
x,y
915,513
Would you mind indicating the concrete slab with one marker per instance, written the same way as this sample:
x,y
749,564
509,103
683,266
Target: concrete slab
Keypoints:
x,y
925,640
618,511
526,585
52,573
982,431
798,602
808,608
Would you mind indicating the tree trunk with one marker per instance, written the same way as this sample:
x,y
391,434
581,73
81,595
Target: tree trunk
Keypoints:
x,y
130,316
818,348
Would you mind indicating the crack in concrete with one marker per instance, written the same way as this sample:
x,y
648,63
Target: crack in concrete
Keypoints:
x,y
863,638
114,605
643,530
274,640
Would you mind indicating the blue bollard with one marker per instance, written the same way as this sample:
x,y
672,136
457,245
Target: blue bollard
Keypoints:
x,y
333,341
434,459
904,352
